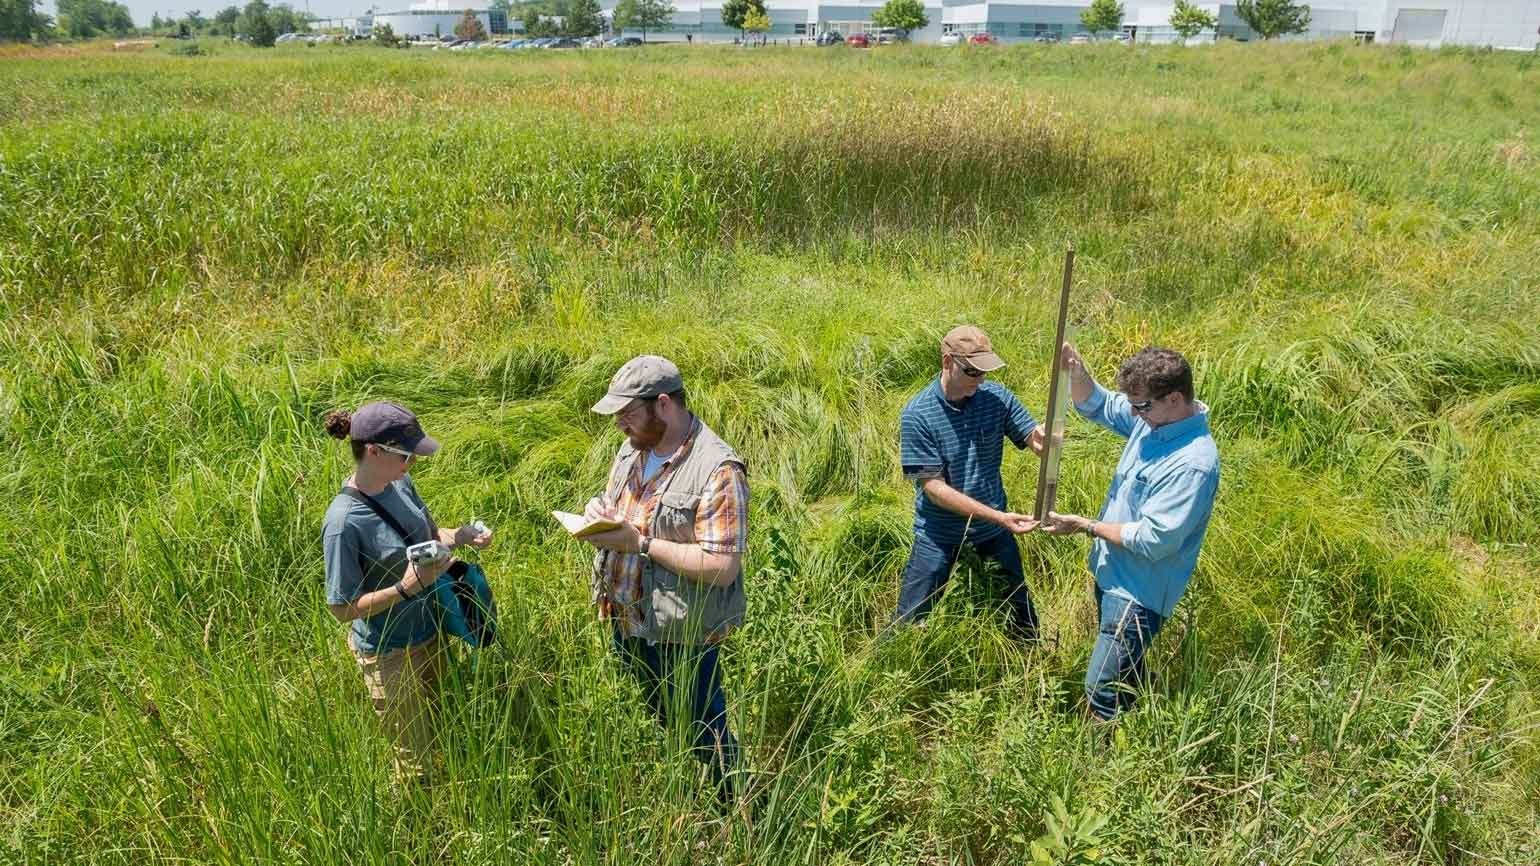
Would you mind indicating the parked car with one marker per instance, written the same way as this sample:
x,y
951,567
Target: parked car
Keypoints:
x,y
1047,38
513,44
1119,37
1080,39
563,42
982,39
953,38
828,38
623,42
858,40
890,35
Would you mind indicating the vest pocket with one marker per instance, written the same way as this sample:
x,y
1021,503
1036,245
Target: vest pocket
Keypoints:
x,y
675,517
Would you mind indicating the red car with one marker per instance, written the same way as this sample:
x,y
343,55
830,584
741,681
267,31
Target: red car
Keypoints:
x,y
982,39
858,40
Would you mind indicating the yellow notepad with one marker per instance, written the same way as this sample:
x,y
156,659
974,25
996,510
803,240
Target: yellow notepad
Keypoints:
x,y
579,526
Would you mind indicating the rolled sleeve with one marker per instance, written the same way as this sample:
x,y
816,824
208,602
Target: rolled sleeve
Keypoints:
x,y
917,450
722,522
1108,409
1177,506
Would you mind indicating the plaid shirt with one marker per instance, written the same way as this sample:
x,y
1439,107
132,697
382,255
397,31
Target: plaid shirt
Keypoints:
x,y
721,526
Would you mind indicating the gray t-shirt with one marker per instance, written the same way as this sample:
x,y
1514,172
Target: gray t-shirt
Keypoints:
x,y
364,554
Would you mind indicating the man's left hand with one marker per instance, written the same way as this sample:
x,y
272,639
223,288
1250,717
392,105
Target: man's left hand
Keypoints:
x,y
626,539
1065,524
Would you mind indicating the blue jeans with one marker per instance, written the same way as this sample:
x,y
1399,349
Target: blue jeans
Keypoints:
x,y
685,680
930,567
1117,661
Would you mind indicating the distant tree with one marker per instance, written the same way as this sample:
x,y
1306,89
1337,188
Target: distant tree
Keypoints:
x,y
195,20
155,22
1274,18
757,22
82,19
470,27
734,12
285,20
643,15
536,22
1102,15
1188,20
20,20
224,20
256,24
903,14
583,19
384,34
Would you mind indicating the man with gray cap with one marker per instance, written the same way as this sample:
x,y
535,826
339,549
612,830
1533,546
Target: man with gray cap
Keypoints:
x,y
951,443
670,579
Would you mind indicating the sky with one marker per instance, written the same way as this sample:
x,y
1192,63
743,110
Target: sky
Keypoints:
x,y
143,9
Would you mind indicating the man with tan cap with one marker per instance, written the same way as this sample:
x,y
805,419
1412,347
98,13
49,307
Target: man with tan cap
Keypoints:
x,y
670,579
951,442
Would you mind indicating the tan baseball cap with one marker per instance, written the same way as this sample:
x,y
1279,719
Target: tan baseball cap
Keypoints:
x,y
644,376
971,345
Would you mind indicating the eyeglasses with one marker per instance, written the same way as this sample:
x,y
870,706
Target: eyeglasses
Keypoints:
x,y
405,455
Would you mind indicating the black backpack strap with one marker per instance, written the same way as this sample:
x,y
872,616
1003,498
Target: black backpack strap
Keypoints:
x,y
380,512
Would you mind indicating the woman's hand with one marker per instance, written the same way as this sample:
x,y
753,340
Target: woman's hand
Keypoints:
x,y
473,535
419,577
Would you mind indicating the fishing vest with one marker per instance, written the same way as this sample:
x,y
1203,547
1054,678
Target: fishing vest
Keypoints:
x,y
676,609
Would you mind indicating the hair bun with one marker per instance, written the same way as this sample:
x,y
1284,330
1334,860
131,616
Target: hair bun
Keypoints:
x,y
338,423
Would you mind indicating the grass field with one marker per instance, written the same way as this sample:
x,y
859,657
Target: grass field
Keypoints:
x,y
201,255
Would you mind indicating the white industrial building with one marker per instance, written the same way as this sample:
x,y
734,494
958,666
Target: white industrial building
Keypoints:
x,y
436,18
1496,23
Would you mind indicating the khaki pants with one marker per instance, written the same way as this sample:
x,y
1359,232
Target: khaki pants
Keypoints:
x,y
405,686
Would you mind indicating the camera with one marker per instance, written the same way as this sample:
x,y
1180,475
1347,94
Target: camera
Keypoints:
x,y
427,553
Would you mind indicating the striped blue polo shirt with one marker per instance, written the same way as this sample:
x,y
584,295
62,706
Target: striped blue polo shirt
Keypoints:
x,y
962,444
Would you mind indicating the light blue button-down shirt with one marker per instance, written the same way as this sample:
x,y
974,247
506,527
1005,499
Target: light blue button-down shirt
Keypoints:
x,y
1162,493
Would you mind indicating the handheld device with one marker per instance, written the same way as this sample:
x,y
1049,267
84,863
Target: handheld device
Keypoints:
x,y
427,552
478,527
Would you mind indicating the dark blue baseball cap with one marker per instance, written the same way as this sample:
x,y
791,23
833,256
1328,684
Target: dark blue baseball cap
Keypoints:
x,y
391,424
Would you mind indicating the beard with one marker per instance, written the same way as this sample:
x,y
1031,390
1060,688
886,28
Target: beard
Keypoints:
x,y
647,436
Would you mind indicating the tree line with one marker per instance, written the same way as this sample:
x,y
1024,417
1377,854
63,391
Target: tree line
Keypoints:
x,y
20,20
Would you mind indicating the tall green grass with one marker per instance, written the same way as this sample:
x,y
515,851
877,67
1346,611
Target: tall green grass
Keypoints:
x,y
200,255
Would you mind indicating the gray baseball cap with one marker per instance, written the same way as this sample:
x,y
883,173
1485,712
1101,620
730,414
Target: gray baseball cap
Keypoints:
x,y
390,424
644,376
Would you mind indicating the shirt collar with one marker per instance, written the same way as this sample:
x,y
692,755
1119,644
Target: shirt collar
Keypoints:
x,y
948,404
1193,426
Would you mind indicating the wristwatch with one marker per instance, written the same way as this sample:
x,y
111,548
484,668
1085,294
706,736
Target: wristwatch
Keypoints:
x,y
1090,528
646,544
401,591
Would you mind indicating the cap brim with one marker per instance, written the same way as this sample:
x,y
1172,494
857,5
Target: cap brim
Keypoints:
x,y
611,404
986,361
427,446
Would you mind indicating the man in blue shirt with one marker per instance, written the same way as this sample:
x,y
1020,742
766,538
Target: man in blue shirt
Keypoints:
x,y
1146,539
951,441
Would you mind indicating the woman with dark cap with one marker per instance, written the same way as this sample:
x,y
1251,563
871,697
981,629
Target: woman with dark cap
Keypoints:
x,y
371,584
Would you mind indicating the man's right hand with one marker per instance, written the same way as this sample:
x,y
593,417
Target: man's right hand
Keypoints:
x,y
1071,360
1080,382
1017,524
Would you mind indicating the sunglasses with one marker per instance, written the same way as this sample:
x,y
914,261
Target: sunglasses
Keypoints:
x,y
970,371
405,455
1143,406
